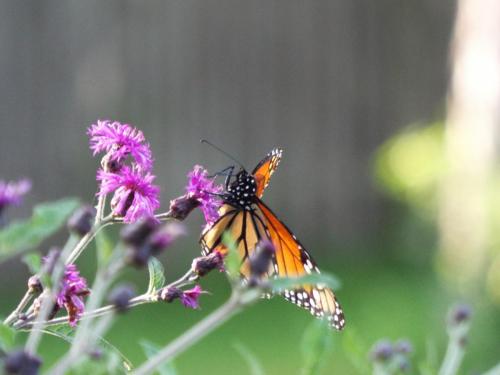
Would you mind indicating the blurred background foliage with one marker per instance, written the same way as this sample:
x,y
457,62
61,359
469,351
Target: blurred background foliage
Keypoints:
x,y
352,90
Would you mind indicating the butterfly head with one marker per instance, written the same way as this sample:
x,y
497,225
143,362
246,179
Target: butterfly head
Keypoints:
x,y
242,190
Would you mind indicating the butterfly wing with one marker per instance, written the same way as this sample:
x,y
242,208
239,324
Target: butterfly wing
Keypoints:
x,y
292,260
242,227
265,169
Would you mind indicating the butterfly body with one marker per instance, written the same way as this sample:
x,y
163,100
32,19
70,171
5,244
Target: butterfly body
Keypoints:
x,y
242,191
249,220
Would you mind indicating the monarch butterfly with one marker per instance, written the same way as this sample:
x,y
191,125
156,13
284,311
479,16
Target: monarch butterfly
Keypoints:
x,y
249,220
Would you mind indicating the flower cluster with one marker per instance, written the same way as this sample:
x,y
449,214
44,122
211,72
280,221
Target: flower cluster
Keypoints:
x,y
390,357
11,193
120,141
135,196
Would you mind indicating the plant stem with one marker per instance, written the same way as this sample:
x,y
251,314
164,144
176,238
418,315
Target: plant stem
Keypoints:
x,y
49,299
187,278
455,351
85,240
86,333
494,371
22,304
139,300
193,335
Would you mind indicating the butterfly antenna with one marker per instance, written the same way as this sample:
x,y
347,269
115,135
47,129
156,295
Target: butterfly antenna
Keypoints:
x,y
223,152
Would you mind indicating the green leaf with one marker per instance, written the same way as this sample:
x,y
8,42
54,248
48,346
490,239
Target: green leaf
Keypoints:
x,y
156,275
317,344
66,333
33,261
7,337
232,259
283,283
151,349
104,248
250,358
23,235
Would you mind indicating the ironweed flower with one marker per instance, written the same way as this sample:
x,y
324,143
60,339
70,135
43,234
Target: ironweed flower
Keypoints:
x,y
70,296
22,363
120,141
11,193
189,298
382,351
134,197
205,191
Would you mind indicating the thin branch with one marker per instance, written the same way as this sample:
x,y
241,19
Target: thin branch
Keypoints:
x,y
193,335
22,304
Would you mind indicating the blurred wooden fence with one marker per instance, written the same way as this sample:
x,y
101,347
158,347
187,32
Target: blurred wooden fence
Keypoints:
x,y
327,80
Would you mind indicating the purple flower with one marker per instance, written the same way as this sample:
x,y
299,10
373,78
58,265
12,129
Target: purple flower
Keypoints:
x,y
73,289
11,193
189,298
204,189
120,140
135,196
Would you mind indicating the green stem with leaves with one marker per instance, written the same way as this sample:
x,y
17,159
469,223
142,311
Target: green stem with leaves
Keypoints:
x,y
193,335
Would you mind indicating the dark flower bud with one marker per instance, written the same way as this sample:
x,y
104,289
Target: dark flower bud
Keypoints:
x,y
136,234
169,294
164,236
261,258
34,284
95,354
203,265
81,220
382,351
22,363
138,256
459,314
403,347
120,297
181,207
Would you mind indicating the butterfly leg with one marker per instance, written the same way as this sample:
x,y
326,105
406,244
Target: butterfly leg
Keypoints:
x,y
227,172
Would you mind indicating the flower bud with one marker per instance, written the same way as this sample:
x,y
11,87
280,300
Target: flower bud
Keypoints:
x,y
136,234
382,351
81,220
22,363
261,258
152,241
120,297
34,284
169,294
203,265
164,236
459,314
181,207
138,256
